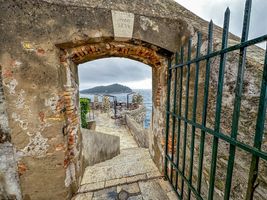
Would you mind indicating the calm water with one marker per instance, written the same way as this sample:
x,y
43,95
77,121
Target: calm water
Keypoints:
x,y
146,93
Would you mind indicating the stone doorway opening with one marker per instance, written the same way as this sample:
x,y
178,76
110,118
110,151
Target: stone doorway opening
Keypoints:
x,y
71,57
123,80
116,158
122,109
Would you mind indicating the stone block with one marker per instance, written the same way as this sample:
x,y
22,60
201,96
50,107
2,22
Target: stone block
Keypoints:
x,y
136,178
130,188
152,190
114,182
92,186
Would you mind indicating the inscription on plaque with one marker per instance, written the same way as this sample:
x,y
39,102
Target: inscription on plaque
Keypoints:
x,y
122,24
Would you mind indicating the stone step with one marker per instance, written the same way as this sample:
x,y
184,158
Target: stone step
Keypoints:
x,y
150,189
129,163
91,187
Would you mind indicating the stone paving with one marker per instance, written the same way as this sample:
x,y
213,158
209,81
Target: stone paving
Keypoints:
x,y
131,175
105,124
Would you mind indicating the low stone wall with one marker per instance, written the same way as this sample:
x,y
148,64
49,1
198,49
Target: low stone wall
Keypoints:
x,y
139,133
98,147
135,122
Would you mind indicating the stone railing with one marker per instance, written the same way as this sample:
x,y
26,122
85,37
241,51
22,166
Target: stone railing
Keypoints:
x,y
135,122
98,147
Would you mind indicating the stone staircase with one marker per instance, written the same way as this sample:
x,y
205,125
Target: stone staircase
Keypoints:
x,y
132,175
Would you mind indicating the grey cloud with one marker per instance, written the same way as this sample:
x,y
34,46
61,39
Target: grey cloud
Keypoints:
x,y
112,70
258,22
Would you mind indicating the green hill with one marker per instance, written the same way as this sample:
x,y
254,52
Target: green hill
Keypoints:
x,y
109,89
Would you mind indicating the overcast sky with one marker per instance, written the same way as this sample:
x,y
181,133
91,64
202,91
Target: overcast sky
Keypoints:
x,y
137,75
106,71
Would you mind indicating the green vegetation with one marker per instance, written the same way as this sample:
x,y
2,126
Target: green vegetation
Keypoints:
x,y
85,108
109,89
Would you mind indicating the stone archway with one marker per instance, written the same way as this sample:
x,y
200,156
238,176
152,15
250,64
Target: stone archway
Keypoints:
x,y
149,54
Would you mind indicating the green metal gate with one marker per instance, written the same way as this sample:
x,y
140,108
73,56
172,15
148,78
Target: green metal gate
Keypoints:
x,y
175,153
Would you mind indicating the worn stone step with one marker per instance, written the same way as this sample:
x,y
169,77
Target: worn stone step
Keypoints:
x,y
152,189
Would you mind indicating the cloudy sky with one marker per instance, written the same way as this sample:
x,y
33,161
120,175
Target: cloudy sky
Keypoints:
x,y
106,71
137,75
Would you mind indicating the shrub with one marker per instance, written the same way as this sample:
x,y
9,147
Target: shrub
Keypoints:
x,y
85,108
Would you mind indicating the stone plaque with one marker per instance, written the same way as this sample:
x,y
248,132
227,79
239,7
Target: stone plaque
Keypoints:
x,y
122,24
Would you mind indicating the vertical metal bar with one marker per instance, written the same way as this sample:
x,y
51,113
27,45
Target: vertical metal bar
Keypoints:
x,y
219,104
204,110
173,117
199,43
179,113
167,114
253,173
238,95
186,112
127,100
115,107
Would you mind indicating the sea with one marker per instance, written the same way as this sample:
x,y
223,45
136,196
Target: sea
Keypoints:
x,y
122,97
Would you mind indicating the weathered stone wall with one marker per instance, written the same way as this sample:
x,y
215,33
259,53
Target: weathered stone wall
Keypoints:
x,y
40,83
246,129
98,147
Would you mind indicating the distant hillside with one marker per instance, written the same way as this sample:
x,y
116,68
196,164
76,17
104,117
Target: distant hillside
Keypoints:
x,y
109,89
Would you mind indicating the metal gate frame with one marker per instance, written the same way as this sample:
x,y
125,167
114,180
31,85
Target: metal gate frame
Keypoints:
x,y
254,150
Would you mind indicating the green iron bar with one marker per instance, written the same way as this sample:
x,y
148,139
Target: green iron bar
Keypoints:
x,y
179,196
199,43
173,118
238,95
253,173
218,104
186,112
179,120
226,50
167,114
205,106
254,151
185,180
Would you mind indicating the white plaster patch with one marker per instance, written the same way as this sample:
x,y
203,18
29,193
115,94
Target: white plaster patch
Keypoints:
x,y
145,23
3,118
22,123
52,102
123,23
70,174
4,121
11,85
21,99
37,146
68,74
17,64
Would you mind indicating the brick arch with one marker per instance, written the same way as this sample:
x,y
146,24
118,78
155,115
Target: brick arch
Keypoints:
x,y
137,50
